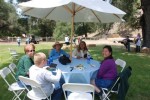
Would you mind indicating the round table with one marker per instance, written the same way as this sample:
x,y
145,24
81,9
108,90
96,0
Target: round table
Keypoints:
x,y
72,74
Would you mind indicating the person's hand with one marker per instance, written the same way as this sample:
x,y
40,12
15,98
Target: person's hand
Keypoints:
x,y
58,70
27,73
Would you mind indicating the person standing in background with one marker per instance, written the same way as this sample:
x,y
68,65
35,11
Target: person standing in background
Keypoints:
x,y
18,41
67,40
138,42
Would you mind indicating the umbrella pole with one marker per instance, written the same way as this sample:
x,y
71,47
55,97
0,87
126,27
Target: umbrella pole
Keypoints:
x,y
72,29
72,33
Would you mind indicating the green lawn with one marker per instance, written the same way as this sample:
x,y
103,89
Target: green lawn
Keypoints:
x,y
139,81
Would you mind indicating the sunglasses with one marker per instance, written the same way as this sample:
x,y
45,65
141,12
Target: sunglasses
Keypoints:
x,y
31,50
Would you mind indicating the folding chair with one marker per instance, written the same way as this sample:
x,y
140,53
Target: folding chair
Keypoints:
x,y
13,54
119,84
78,91
121,63
35,87
12,67
14,87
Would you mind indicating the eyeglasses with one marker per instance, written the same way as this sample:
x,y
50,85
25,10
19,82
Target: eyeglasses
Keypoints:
x,y
31,50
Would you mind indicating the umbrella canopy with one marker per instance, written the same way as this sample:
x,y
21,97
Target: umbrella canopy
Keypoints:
x,y
73,10
63,10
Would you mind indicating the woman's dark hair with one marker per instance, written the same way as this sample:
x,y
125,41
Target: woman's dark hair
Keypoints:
x,y
85,48
110,50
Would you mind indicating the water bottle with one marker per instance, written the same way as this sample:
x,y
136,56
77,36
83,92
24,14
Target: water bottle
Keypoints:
x,y
48,62
88,59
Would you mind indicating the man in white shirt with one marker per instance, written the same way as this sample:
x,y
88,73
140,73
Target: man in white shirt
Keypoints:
x,y
67,40
44,77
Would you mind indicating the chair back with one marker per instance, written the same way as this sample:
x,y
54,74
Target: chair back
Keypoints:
x,y
12,52
121,63
4,73
29,81
13,87
12,67
35,86
75,87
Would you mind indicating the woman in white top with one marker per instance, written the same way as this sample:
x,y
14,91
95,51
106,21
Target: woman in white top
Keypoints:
x,y
81,51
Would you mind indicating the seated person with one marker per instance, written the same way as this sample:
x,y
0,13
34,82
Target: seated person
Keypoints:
x,y
25,62
45,77
81,51
56,52
107,72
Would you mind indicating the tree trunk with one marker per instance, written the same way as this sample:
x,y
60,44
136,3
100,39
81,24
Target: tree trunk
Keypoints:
x,y
145,4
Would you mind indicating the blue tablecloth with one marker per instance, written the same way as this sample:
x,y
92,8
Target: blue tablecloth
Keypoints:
x,y
77,75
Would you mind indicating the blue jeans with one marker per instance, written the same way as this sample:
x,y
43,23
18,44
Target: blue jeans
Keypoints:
x,y
57,94
20,83
103,83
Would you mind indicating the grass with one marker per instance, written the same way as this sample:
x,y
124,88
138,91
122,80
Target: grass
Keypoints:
x,y
139,81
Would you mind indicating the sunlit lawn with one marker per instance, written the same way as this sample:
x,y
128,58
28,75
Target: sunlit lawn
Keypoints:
x,y
139,80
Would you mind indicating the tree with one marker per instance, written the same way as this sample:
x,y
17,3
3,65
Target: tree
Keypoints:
x,y
131,9
61,30
145,22
8,18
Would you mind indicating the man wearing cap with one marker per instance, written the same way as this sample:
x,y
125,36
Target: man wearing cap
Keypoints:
x,y
56,52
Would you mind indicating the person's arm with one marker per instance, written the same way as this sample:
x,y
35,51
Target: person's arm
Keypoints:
x,y
52,54
52,78
103,68
27,64
64,53
74,53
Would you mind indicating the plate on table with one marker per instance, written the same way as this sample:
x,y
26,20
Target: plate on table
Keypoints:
x,y
79,67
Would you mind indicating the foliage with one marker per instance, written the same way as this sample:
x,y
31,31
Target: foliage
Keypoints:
x,y
46,27
131,9
23,23
84,28
61,30
8,18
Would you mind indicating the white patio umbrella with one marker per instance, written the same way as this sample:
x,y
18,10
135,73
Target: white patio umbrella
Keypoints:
x,y
73,10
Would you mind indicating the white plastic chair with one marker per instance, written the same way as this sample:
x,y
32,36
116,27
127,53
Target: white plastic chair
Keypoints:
x,y
14,87
121,63
35,87
78,91
12,67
